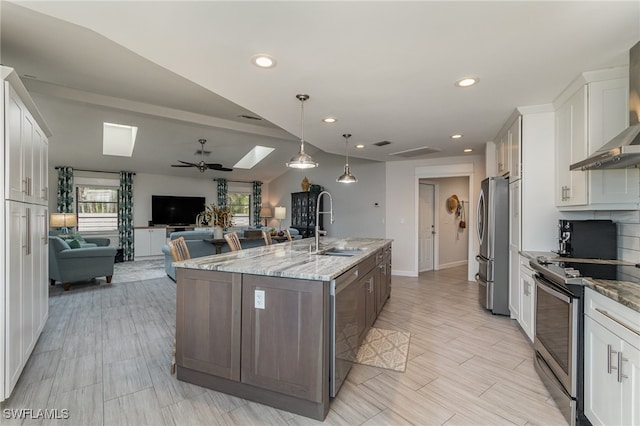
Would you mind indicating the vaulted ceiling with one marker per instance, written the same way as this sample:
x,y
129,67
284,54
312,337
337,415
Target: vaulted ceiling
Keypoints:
x,y
386,70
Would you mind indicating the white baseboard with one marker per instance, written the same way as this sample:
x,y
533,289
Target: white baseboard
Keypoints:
x,y
451,265
403,273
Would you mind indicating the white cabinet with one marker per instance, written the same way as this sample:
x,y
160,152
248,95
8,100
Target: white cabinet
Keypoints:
x,y
587,118
149,241
571,146
508,160
527,299
26,151
515,162
514,248
24,292
612,361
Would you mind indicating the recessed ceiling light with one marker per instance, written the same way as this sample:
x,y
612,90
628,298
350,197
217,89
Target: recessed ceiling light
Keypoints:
x,y
360,146
467,81
468,150
263,61
329,120
456,136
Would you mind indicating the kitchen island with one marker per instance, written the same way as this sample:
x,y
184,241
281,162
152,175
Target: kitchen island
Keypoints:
x,y
260,323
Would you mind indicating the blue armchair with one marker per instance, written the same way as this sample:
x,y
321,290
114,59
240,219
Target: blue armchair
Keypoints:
x,y
68,265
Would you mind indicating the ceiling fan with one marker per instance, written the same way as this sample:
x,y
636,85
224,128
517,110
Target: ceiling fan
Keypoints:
x,y
201,165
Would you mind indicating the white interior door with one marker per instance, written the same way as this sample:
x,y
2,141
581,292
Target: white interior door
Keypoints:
x,y
426,227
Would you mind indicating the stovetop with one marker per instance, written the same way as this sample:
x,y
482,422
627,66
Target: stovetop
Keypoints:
x,y
571,271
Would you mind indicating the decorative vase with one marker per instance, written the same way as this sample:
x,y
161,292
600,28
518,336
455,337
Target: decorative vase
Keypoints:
x,y
217,232
305,184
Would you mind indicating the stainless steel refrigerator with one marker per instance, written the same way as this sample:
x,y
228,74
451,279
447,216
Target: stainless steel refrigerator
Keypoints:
x,y
493,238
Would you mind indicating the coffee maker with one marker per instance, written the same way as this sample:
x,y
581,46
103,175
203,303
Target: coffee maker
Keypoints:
x,y
587,239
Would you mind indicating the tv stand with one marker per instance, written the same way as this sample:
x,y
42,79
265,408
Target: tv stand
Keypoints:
x,y
148,240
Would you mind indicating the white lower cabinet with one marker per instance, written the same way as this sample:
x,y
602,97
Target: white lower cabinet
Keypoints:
x,y
149,241
612,361
27,293
527,299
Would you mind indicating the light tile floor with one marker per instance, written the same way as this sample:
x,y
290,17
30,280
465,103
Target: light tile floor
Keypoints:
x,y
105,351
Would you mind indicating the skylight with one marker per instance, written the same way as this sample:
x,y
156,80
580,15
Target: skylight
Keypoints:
x,y
253,157
118,139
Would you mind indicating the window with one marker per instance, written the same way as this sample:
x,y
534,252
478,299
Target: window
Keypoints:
x,y
240,205
97,208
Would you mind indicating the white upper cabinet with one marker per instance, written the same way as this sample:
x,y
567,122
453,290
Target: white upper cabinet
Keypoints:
x,y
589,115
26,151
507,142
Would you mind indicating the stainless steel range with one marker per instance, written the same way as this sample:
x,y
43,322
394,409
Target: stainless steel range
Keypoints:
x,y
560,327
558,339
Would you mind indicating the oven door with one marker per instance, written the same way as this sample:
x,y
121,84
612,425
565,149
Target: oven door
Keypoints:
x,y
556,338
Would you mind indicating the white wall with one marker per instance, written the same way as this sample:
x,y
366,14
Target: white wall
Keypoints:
x,y
145,185
353,204
401,209
453,241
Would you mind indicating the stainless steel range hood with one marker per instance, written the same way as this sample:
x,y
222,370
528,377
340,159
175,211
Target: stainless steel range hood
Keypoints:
x,y
624,150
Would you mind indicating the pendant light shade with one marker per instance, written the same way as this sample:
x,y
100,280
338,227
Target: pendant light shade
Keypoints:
x,y
302,160
346,177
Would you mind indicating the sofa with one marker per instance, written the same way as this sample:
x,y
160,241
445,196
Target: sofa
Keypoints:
x,y
82,241
69,265
199,246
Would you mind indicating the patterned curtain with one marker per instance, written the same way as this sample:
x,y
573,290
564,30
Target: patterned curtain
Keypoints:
x,y
223,190
125,214
256,200
65,190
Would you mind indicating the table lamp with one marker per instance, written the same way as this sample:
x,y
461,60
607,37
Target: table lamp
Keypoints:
x,y
266,214
63,221
281,213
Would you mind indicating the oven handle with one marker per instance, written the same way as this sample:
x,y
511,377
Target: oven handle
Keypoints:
x,y
541,285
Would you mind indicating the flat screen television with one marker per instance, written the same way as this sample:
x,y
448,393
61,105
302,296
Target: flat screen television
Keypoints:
x,y
175,210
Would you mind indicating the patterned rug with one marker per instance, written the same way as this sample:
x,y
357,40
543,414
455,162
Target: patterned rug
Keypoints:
x,y
385,349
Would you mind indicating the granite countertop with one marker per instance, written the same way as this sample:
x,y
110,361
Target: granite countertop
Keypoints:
x,y
625,292
290,259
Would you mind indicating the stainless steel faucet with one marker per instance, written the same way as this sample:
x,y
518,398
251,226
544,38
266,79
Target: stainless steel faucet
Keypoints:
x,y
318,213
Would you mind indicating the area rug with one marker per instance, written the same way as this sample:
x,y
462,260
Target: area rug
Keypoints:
x,y
385,349
124,272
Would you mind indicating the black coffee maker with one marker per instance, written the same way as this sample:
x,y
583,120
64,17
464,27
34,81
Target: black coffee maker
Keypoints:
x,y
588,239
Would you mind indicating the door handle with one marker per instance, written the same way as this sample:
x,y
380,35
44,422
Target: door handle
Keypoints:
x,y
610,367
621,359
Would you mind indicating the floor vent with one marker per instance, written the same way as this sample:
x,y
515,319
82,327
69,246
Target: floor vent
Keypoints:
x,y
416,152
383,143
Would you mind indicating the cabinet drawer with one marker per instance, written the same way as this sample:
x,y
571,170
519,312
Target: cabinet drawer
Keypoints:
x,y
619,319
368,264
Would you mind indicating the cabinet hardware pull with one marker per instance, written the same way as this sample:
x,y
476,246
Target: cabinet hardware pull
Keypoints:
x,y
610,352
621,359
25,189
611,317
28,233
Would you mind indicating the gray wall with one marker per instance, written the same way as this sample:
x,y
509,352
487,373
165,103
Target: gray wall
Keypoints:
x,y
353,204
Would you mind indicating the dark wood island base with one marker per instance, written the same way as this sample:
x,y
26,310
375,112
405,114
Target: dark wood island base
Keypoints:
x,y
259,333
314,410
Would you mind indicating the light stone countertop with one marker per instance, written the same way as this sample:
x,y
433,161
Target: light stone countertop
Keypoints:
x,y
625,292
290,259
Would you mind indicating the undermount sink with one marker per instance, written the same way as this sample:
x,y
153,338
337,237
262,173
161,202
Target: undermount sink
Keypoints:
x,y
340,252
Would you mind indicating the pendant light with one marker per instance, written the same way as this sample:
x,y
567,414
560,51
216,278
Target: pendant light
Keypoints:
x,y
302,160
346,177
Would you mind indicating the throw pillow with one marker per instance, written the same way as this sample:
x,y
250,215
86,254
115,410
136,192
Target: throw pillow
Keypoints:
x,y
79,238
74,243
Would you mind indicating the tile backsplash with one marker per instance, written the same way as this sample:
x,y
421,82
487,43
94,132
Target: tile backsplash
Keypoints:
x,y
628,230
628,233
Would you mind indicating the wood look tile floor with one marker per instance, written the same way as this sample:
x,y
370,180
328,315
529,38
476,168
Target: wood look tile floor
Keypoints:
x,y
104,356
